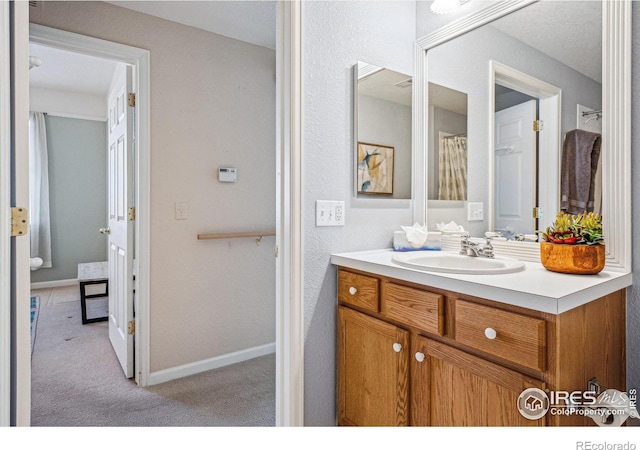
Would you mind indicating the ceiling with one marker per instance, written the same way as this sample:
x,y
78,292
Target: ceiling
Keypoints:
x,y
386,85
245,20
72,72
572,32
249,21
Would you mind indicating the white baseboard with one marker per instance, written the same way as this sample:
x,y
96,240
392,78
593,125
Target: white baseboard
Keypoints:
x,y
174,373
53,284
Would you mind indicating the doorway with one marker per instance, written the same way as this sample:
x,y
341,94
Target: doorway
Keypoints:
x,y
76,101
106,56
546,101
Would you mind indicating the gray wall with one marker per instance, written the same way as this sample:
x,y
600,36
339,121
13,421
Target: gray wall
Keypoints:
x,y
388,123
77,195
336,36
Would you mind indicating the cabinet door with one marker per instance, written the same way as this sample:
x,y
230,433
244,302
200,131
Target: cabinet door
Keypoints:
x,y
372,371
452,388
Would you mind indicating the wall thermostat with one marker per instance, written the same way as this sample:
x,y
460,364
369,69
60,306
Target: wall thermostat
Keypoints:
x,y
227,174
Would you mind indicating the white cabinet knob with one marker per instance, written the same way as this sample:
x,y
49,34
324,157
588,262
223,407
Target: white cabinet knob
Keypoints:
x,y
353,291
397,347
419,356
490,333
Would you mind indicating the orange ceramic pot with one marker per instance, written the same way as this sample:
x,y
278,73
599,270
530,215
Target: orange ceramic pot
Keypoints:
x,y
574,259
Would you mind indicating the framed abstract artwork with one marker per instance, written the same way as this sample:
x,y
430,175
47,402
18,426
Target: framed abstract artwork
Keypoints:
x,y
375,169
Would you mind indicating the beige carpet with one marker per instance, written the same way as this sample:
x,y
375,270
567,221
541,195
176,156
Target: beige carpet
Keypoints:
x,y
77,381
53,296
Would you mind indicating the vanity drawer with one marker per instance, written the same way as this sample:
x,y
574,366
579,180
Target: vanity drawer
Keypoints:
x,y
413,307
358,290
517,338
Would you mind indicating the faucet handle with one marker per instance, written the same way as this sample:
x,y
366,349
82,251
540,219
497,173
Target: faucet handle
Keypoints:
x,y
464,242
487,249
463,236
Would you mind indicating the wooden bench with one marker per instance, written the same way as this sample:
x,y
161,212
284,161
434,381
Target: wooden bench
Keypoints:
x,y
89,274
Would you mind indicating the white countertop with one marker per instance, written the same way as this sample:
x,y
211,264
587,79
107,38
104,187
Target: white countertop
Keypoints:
x,y
534,288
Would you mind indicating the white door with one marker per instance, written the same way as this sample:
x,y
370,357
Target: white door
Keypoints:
x,y
121,231
515,169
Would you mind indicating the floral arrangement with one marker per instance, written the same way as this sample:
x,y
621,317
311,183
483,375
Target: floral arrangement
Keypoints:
x,y
585,229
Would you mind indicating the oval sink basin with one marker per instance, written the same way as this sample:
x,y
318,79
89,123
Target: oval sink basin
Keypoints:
x,y
455,263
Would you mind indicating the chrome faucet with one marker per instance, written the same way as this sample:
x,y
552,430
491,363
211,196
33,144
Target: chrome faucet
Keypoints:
x,y
469,248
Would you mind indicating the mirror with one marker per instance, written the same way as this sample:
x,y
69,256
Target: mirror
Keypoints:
x,y
508,100
383,132
447,161
551,55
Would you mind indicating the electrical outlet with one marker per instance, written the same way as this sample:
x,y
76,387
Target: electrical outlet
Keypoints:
x,y
475,211
181,210
329,213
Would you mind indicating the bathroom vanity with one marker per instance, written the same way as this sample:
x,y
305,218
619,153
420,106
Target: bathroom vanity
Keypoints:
x,y
443,349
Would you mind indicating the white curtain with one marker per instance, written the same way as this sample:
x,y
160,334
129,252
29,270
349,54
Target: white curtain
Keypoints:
x,y
39,218
453,168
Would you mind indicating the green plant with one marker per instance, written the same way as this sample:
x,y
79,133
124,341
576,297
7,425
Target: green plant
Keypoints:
x,y
585,228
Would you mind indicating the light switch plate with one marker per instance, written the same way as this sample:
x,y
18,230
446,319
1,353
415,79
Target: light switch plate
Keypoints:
x,y
329,213
475,211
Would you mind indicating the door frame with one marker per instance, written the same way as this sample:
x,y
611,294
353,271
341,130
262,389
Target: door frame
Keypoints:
x,y
550,110
289,217
5,225
140,60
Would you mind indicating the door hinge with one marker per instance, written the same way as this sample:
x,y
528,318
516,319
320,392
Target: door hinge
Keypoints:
x,y
132,100
131,327
276,252
132,213
538,125
537,212
19,221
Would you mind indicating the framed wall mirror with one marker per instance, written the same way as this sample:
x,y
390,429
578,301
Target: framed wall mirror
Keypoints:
x,y
382,124
507,59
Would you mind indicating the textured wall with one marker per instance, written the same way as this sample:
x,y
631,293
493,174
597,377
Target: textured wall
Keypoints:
x,y
77,195
336,36
212,104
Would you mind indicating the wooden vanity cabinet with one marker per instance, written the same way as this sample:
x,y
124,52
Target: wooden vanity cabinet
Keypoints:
x,y
413,355
450,387
374,366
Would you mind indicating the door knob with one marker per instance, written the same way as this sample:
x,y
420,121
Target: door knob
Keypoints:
x,y
105,230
